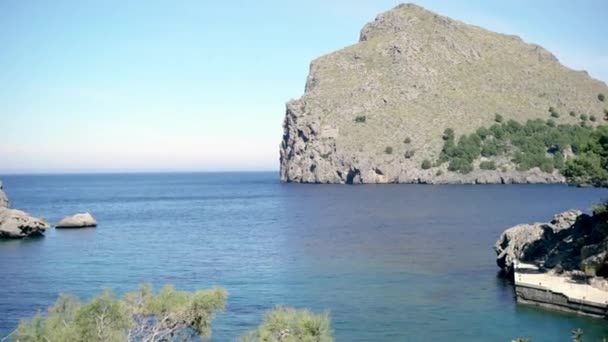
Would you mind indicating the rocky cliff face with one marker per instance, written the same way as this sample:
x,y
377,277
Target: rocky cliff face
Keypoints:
x,y
373,111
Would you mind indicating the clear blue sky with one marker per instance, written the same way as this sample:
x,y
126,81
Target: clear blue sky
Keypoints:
x,y
201,85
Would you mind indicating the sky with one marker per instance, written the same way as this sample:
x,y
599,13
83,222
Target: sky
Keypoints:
x,y
146,85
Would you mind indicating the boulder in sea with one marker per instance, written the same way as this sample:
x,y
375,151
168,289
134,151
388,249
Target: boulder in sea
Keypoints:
x,y
16,224
81,220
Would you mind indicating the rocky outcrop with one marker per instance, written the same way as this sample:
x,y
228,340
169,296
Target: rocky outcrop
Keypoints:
x,y
82,220
528,242
15,223
373,111
3,199
572,241
18,224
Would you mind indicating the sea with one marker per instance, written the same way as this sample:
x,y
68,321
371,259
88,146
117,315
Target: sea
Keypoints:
x,y
387,262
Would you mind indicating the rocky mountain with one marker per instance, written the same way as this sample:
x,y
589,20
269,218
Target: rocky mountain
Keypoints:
x,y
374,111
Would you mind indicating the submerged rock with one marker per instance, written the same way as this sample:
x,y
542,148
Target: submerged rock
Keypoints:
x,y
81,220
18,224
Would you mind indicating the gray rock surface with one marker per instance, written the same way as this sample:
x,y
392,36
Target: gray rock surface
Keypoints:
x,y
536,242
81,220
18,224
413,74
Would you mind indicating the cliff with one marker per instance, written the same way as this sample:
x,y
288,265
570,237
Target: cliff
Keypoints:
x,y
374,111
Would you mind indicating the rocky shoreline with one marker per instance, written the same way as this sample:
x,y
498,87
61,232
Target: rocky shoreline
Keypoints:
x,y
561,264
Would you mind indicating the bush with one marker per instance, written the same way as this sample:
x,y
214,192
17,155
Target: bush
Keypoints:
x,y
498,118
169,315
551,123
409,154
290,325
558,161
572,114
407,140
586,169
583,117
140,315
360,119
388,150
448,134
426,164
438,173
483,132
460,165
553,112
487,165
592,118
601,97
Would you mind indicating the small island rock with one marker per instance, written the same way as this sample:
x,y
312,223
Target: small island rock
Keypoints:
x,y
82,220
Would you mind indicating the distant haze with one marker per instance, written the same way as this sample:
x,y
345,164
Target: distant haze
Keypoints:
x,y
201,86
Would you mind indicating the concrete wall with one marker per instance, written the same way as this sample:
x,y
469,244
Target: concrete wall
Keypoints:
x,y
540,296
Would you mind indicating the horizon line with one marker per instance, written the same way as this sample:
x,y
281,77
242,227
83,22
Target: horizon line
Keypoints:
x,y
126,172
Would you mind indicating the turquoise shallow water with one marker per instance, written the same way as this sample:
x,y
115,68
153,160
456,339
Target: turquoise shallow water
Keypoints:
x,y
390,262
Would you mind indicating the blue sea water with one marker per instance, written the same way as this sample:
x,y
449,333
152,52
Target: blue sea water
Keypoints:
x,y
390,262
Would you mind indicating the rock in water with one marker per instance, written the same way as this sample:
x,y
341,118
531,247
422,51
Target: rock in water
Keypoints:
x,y
81,220
3,199
18,224
15,223
546,244
373,111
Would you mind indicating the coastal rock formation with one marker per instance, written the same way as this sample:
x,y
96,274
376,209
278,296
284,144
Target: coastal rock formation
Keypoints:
x,y
3,199
562,264
528,242
81,220
374,111
18,224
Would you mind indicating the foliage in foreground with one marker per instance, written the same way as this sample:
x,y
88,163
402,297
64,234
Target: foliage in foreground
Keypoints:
x,y
290,325
138,316
169,315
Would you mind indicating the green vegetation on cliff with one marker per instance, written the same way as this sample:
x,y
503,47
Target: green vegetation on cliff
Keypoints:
x,y
579,152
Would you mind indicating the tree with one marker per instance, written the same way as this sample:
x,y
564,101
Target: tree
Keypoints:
x,y
290,325
138,316
448,134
